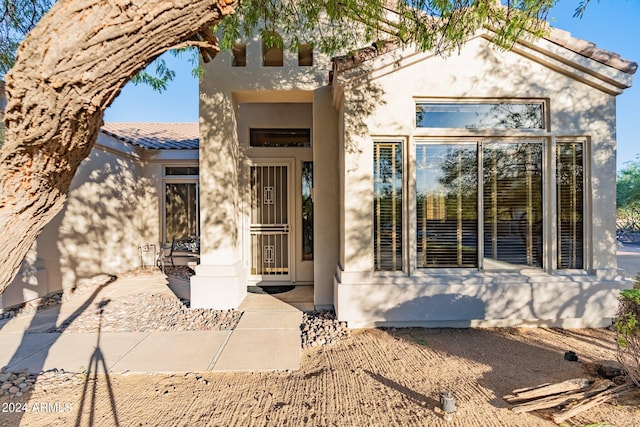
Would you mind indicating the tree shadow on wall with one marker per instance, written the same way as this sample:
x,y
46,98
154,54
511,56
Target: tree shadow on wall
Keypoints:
x,y
111,211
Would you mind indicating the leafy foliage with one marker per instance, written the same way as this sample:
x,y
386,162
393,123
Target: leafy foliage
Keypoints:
x,y
628,190
438,25
157,75
337,25
627,324
628,199
17,18
582,6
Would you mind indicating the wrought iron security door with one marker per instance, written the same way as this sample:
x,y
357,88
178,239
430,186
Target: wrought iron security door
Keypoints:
x,y
270,230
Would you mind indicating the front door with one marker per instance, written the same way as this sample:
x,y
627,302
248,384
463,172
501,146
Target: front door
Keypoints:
x,y
270,222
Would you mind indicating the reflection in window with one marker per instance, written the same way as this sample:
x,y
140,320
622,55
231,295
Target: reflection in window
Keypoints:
x,y
570,184
307,211
181,211
512,199
280,137
448,184
480,115
387,206
447,198
181,170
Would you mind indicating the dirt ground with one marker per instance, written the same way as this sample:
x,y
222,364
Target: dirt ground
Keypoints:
x,y
374,378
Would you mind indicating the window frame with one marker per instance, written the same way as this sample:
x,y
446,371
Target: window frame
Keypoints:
x,y
479,142
587,259
469,102
258,134
550,216
177,179
404,208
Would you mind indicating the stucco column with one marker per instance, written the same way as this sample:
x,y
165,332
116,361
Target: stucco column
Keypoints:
x,y
220,280
356,194
326,197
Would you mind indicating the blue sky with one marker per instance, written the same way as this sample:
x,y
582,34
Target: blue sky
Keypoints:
x,y
610,24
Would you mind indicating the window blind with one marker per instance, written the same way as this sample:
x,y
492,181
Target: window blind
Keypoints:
x,y
570,184
512,204
447,198
387,206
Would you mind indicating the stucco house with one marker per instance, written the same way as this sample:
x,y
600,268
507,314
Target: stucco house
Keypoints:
x,y
407,188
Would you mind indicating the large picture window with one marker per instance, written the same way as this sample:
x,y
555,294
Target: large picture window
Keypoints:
x,y
450,179
447,205
387,206
512,205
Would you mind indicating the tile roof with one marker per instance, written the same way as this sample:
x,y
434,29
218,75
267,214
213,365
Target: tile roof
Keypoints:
x,y
156,136
590,50
555,35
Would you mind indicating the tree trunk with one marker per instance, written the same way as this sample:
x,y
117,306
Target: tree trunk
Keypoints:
x,y
68,71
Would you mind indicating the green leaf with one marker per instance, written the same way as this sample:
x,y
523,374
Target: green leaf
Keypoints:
x,y
157,75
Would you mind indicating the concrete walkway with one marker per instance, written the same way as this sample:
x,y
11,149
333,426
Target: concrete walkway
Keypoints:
x,y
628,256
266,338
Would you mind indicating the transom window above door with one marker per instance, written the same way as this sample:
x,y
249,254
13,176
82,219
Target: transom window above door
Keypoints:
x,y
280,137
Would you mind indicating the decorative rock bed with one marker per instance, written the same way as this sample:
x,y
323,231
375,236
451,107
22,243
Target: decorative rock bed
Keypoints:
x,y
161,313
15,384
166,313
320,328
33,306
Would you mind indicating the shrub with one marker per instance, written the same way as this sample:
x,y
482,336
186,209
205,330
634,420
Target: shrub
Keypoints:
x,y
627,324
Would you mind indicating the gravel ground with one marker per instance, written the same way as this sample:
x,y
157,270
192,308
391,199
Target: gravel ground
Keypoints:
x,y
374,378
161,313
320,328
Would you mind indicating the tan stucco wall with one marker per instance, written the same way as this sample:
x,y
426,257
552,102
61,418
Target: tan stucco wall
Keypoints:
x,y
379,103
232,100
326,197
112,208
478,72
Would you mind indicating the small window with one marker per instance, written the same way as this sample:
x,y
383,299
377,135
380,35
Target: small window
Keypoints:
x,y
387,206
182,210
463,115
305,55
239,52
280,137
272,53
307,211
181,170
570,205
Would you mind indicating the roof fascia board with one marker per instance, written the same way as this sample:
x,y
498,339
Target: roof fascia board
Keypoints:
x,y
170,155
583,65
578,74
544,52
112,144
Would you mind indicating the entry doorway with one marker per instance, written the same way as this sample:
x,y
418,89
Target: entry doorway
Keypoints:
x,y
270,228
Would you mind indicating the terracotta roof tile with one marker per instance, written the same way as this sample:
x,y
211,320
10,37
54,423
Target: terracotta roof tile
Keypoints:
x,y
156,136
590,50
557,36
